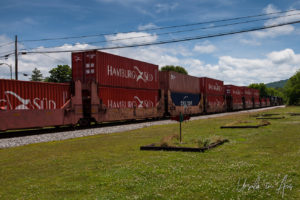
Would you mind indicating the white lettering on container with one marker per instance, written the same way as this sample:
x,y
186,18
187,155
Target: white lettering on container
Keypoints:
x,y
26,104
135,103
129,74
215,87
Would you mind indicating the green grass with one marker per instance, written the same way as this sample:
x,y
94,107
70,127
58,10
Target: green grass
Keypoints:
x,y
112,166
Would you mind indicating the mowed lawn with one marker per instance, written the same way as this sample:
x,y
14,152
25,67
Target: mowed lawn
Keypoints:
x,y
261,163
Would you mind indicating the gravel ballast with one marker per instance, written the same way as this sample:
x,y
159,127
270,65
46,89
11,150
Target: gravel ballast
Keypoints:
x,y
20,141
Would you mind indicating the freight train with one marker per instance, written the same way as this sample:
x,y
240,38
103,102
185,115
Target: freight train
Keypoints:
x,y
107,87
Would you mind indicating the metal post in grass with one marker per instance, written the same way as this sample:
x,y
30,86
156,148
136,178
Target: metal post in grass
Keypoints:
x,y
180,119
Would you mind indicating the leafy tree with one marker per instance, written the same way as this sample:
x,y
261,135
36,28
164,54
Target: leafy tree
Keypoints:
x,y
60,74
265,91
178,69
261,87
36,75
292,89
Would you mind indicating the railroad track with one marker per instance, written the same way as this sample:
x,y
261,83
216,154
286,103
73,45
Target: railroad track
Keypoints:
x,y
20,138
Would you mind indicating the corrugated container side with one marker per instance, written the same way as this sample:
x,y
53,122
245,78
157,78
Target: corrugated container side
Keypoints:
x,y
247,92
116,71
234,91
248,102
24,95
236,95
210,86
128,98
177,82
256,103
263,102
268,103
77,66
215,103
255,95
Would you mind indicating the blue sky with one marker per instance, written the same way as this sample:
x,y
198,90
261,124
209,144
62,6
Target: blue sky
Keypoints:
x,y
263,56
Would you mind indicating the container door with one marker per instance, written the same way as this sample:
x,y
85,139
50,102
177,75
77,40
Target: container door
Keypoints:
x,y
90,66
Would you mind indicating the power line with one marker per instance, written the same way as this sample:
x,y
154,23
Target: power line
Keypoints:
x,y
6,44
182,31
195,29
171,41
160,28
7,55
57,59
6,52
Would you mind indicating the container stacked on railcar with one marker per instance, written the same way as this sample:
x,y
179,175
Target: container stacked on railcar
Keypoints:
x,y
268,102
126,88
248,101
255,96
181,93
29,95
234,97
263,102
28,104
213,95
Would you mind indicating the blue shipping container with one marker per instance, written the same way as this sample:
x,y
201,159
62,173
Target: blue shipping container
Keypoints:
x,y
185,99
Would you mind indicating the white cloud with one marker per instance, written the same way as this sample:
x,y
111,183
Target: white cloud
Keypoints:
x,y
147,26
270,9
130,38
275,66
163,7
251,42
274,32
7,45
282,30
286,56
204,48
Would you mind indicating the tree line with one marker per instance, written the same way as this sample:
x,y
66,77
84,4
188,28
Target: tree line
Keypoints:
x,y
290,92
59,74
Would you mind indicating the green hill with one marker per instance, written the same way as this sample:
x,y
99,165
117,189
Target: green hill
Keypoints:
x,y
277,84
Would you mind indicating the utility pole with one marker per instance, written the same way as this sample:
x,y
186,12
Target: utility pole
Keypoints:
x,y
16,57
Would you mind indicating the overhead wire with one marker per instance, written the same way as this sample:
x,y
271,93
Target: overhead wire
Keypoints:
x,y
180,31
6,44
6,56
160,28
173,41
57,59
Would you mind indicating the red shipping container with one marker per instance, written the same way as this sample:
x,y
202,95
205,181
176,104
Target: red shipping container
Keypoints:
x,y
236,97
247,92
263,102
112,70
215,103
268,103
27,95
234,91
248,102
210,86
255,95
177,82
128,98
